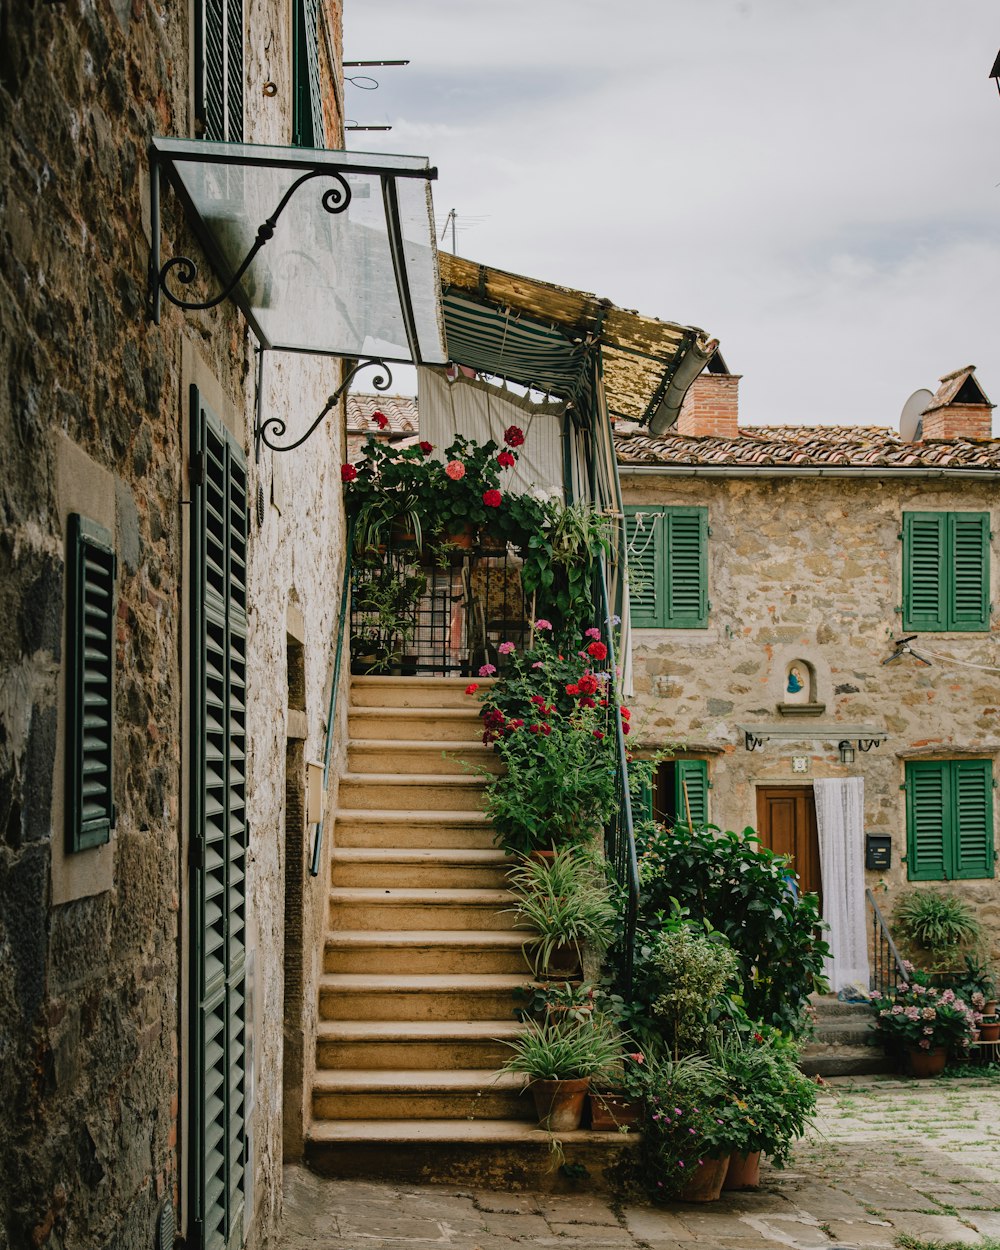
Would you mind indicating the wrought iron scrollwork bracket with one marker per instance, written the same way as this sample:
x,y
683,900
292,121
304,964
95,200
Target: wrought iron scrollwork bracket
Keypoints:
x,y
866,744
274,427
751,741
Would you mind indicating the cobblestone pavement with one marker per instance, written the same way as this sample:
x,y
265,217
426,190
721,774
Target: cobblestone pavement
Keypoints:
x,y
886,1157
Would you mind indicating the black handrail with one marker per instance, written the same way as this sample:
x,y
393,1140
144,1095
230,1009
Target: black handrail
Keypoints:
x,y
887,968
619,833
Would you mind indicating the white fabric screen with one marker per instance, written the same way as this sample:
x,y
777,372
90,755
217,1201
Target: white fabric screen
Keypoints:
x,y
481,411
840,811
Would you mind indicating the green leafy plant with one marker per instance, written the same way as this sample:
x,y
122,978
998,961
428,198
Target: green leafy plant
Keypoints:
x,y
560,560
565,1051
565,903
681,1127
683,973
773,1100
923,1016
384,597
936,923
566,1000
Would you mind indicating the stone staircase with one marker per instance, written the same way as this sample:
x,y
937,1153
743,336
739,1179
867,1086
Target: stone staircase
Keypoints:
x,y
844,1044
421,961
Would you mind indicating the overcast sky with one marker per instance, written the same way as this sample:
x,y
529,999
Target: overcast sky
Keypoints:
x,y
813,182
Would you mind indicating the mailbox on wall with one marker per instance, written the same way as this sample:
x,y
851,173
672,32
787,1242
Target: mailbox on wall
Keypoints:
x,y
878,851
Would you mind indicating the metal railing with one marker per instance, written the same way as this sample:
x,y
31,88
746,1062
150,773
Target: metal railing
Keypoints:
x,y
886,966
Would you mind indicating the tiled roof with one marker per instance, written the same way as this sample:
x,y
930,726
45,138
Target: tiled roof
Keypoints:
x,y
400,409
806,446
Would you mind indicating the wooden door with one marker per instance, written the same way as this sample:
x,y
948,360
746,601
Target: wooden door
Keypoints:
x,y
786,822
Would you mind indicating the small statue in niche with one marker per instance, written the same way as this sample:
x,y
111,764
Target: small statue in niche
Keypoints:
x,y
798,683
795,683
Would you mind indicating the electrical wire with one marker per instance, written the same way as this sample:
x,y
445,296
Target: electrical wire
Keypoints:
x,y
938,655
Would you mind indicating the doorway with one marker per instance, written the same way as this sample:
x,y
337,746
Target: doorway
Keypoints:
x,y
786,824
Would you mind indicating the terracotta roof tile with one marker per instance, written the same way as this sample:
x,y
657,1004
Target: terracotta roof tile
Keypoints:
x,y
400,409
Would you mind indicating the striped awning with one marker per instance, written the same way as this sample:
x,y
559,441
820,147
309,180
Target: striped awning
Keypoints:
x,y
548,337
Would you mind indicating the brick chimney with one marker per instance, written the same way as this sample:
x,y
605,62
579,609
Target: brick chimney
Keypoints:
x,y
711,407
959,409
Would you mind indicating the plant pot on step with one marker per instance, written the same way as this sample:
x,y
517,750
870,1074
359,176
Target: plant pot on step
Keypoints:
x,y
612,1112
559,1104
705,1182
989,1031
563,964
743,1171
925,1063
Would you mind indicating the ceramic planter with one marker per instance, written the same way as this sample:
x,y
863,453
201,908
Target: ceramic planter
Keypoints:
x,y
924,1063
611,1112
743,1171
559,1104
705,1182
989,1031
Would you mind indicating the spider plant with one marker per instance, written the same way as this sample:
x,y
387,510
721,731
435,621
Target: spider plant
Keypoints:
x,y
566,1051
936,922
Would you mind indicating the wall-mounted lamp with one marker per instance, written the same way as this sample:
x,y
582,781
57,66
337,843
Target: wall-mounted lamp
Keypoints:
x,y
846,752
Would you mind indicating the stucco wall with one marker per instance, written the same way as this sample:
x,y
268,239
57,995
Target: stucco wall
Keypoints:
x,y
810,569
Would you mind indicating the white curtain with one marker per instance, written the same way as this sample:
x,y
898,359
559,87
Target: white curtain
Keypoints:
x,y
840,815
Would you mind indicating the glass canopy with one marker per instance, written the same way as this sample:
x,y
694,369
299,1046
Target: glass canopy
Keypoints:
x,y
341,245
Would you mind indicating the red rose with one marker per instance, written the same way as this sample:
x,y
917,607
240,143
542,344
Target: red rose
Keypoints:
x,y
597,651
348,473
492,498
514,436
506,460
381,420
426,448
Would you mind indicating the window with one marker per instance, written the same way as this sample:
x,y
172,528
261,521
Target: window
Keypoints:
x,y
946,571
949,819
219,69
680,786
668,566
90,659
307,109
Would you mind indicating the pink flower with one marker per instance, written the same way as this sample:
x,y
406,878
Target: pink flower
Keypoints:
x,y
680,1163
593,632
381,420
538,664
506,460
348,473
924,1043
492,498
455,470
505,648
471,688
487,670
543,624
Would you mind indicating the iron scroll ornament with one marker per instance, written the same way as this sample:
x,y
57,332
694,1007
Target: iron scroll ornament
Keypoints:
x,y
335,199
276,426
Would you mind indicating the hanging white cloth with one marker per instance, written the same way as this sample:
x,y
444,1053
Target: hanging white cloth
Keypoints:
x,y
481,411
840,814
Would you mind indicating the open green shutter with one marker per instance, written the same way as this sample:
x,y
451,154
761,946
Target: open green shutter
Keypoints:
x,y
969,601
926,574
972,819
692,775
218,832
644,536
928,818
686,588
90,661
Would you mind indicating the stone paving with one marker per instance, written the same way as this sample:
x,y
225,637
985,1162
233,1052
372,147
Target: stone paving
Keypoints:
x,y
886,1157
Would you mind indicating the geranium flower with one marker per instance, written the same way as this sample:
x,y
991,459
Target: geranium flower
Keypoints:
x,y
537,700
426,448
572,689
638,1057
543,624
348,473
381,420
626,714
586,701
593,632
487,670
626,728
597,651
455,470
506,460
588,683
598,734
492,498
505,648
514,436
538,664
471,688
516,723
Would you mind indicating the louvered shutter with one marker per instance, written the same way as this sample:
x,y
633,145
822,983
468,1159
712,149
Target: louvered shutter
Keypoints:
x,y
692,775
969,605
308,106
925,570
686,596
972,824
90,660
219,69
646,565
928,819
218,831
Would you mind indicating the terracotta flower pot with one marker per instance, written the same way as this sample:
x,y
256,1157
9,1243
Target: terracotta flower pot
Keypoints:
x,y
704,1184
611,1112
563,964
743,1171
989,1032
559,1104
924,1063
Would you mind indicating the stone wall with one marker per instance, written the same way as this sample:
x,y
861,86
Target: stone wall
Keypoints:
x,y
94,417
809,569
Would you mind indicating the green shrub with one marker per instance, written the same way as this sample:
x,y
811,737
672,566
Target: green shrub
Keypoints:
x,y
936,922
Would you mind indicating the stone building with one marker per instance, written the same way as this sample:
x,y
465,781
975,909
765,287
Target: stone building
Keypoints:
x,y
776,572
154,569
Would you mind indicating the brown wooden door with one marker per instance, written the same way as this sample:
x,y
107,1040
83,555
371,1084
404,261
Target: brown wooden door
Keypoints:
x,y
786,822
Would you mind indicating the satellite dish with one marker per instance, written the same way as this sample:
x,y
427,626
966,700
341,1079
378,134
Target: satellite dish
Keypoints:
x,y
909,418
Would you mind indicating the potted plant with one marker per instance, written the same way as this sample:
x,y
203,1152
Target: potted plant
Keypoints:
x,y
924,1022
937,926
977,985
383,613
686,1130
560,1001
683,975
620,1101
559,1061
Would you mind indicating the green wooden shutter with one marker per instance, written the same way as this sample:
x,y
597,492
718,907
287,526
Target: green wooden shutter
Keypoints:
x,y
218,831
686,594
692,774
928,819
969,598
646,562
219,69
925,570
90,662
972,808
307,124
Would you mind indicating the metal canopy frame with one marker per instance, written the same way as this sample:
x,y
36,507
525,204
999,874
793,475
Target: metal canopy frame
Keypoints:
x,y
755,736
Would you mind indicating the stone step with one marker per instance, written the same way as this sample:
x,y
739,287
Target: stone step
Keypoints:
x,y
845,1031
508,1154
409,692
360,908
400,724
367,996
434,1044
401,827
822,1060
425,952
422,791
386,755
829,1006
420,867
385,1094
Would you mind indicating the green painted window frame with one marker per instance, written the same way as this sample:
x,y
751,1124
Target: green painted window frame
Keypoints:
x,y
693,773
307,98
219,69
949,820
91,571
671,560
946,572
